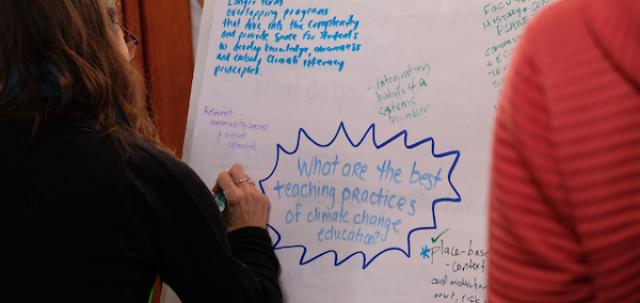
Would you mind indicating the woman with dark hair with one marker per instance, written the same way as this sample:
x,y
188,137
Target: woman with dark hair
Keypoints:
x,y
93,207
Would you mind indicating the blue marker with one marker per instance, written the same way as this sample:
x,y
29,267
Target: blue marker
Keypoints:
x,y
221,201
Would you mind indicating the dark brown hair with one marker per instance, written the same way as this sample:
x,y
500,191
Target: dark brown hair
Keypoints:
x,y
61,54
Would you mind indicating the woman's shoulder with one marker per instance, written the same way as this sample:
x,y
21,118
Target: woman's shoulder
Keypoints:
x,y
164,169
173,188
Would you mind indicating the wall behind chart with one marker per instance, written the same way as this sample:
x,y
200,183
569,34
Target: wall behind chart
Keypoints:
x,y
368,125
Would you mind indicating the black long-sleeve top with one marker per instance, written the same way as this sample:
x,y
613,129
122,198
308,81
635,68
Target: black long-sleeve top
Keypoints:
x,y
84,219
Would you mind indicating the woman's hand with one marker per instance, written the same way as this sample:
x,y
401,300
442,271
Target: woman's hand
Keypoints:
x,y
248,207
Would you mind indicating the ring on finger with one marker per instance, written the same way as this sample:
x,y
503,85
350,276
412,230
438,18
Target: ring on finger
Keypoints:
x,y
243,180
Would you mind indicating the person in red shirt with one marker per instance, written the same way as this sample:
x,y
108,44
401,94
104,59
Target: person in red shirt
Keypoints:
x,y
564,220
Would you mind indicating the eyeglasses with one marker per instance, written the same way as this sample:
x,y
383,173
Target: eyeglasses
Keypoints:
x,y
131,40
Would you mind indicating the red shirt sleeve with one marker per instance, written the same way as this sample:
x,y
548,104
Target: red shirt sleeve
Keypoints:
x,y
534,251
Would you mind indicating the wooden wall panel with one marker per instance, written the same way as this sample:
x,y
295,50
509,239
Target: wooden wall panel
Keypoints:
x,y
166,57
169,64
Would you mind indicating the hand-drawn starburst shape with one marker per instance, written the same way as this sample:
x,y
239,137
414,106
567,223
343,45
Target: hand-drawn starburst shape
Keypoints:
x,y
316,240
